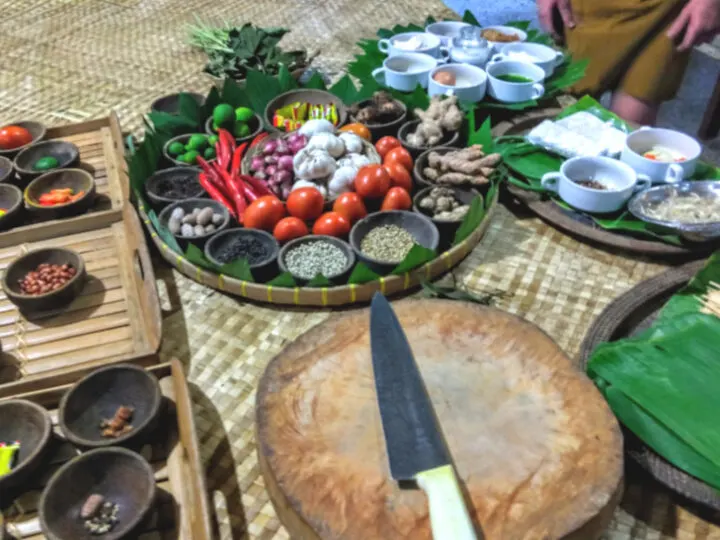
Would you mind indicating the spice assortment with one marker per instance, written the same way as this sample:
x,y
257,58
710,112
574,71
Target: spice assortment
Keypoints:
x,y
46,278
309,259
199,222
387,243
469,166
442,204
60,196
382,109
99,515
119,424
442,117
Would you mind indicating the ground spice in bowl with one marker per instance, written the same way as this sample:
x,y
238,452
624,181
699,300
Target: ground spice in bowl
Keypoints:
x,y
387,243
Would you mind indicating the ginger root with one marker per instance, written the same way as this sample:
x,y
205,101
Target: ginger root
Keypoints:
x,y
469,166
441,203
443,116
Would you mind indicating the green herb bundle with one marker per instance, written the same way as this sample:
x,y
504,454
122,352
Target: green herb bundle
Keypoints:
x,y
663,384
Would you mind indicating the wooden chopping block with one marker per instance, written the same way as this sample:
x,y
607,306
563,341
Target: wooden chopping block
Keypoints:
x,y
537,450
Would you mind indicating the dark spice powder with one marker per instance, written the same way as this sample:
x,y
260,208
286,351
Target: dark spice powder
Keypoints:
x,y
249,247
178,187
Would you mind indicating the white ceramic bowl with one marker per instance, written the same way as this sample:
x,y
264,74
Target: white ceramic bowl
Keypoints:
x,y
470,82
405,71
546,58
431,44
446,30
515,92
645,138
498,45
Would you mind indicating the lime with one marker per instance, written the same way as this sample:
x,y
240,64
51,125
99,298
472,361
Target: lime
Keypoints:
x,y
212,140
209,153
196,142
191,157
46,163
176,148
224,115
241,130
243,114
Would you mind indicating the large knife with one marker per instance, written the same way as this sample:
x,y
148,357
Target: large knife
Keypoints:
x,y
415,446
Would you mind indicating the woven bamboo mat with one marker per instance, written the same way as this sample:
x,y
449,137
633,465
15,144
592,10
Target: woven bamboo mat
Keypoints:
x,y
69,60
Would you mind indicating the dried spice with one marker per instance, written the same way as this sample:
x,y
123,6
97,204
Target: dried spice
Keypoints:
x,y
119,424
100,516
388,243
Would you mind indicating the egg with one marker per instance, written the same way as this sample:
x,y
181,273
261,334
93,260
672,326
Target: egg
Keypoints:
x,y
445,77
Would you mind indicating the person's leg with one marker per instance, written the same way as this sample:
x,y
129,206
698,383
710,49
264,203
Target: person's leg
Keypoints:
x,y
633,109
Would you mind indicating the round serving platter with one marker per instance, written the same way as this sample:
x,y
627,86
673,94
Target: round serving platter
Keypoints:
x,y
580,225
626,316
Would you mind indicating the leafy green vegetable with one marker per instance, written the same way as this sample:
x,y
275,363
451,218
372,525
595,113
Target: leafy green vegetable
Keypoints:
x,y
417,256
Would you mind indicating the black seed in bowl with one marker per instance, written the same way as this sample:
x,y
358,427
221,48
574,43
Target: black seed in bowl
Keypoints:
x,y
248,247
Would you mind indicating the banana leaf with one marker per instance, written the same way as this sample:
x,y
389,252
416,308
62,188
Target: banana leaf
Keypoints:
x,y
687,300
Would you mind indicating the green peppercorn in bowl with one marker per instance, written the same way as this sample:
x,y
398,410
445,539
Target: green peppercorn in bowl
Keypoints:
x,y
259,248
308,256
383,239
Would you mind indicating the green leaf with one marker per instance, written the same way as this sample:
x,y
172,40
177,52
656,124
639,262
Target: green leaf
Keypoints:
x,y
362,274
472,220
417,256
469,18
171,124
164,234
190,109
522,25
417,99
316,82
345,90
286,80
211,101
490,103
533,164
238,269
196,256
283,280
233,94
430,290
264,89
483,135
492,191
687,300
319,281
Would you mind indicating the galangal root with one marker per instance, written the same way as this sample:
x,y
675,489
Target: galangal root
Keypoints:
x,y
441,117
469,166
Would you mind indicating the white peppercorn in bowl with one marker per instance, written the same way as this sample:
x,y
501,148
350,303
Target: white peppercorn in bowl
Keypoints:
x,y
307,256
177,216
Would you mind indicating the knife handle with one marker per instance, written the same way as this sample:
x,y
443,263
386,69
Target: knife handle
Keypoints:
x,y
449,516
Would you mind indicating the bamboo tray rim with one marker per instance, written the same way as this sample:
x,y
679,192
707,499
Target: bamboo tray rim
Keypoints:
x,y
340,295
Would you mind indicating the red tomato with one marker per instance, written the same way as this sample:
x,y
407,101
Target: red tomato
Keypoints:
x,y
332,224
351,206
399,175
399,155
290,228
264,213
372,181
305,203
396,199
385,144
12,137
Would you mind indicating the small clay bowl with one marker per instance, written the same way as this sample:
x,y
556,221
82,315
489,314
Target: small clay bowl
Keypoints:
x,y
66,153
183,178
37,131
344,247
170,104
188,205
98,396
255,123
183,139
419,226
388,128
447,228
449,139
30,424
312,96
11,200
421,162
119,475
262,269
6,169
19,268
76,179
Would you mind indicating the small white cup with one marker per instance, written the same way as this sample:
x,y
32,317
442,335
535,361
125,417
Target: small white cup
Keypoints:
x,y
431,45
500,45
470,82
546,58
446,30
515,92
643,140
405,71
620,178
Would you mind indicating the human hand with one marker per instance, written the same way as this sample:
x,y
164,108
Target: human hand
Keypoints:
x,y
545,12
700,19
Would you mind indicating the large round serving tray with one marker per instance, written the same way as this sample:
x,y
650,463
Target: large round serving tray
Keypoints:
x,y
628,315
323,296
579,225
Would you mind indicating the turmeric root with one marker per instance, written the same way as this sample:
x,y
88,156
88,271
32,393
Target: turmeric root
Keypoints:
x,y
465,161
457,179
490,160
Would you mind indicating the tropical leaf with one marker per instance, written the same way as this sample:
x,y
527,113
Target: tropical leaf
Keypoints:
x,y
345,90
283,280
472,220
319,281
362,274
417,256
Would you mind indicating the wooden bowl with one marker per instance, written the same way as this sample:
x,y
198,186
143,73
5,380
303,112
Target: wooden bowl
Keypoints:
x,y
170,103
65,152
30,424
421,227
96,398
121,476
260,270
449,139
19,268
388,128
6,169
446,228
184,179
188,205
37,131
255,123
11,200
344,247
421,163
76,179
315,97
183,139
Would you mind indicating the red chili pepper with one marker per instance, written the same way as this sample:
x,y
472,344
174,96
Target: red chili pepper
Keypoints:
x,y
227,142
213,176
249,192
257,140
237,194
237,158
258,185
215,193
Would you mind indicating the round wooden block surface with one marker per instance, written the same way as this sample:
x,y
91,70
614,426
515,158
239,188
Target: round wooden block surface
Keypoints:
x,y
537,450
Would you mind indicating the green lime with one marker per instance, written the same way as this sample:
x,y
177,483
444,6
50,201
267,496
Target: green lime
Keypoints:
x,y
196,142
191,157
46,163
176,148
243,114
212,140
209,153
224,115
241,130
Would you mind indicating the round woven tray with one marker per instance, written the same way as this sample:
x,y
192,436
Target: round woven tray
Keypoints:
x,y
323,296
579,225
629,314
